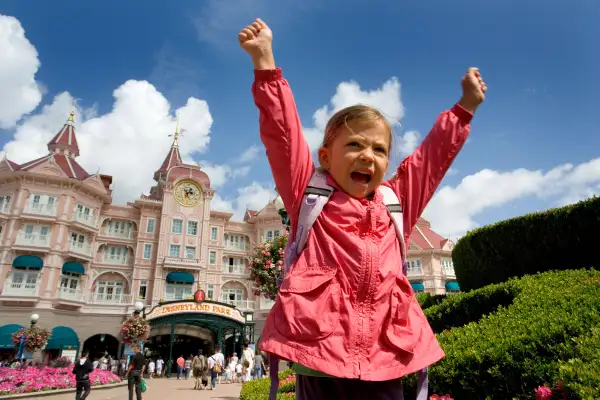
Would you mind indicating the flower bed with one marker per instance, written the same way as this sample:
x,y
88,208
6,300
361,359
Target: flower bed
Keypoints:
x,y
16,381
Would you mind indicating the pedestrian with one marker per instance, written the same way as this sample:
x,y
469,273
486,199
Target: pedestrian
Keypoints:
x,y
215,365
136,372
199,369
188,367
82,370
151,366
180,366
259,365
159,366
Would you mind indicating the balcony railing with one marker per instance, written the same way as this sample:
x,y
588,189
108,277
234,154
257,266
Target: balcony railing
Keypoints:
x,y
233,247
109,299
81,248
32,239
177,296
41,209
184,261
117,233
20,289
65,293
86,219
240,304
115,259
234,269
415,272
448,271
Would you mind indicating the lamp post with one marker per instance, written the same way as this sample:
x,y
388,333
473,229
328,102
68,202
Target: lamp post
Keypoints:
x,y
32,320
137,308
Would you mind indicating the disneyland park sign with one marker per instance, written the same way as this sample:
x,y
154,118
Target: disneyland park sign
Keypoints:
x,y
195,307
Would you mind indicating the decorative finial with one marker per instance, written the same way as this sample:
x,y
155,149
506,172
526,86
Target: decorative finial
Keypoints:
x,y
178,133
71,119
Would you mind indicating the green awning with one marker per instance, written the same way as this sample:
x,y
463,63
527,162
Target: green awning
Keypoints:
x,y
180,277
27,261
417,286
6,332
73,267
452,286
63,338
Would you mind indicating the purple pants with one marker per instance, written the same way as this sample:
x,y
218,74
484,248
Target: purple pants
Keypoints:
x,y
313,388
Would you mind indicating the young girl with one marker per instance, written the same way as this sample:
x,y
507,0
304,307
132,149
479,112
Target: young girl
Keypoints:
x,y
346,315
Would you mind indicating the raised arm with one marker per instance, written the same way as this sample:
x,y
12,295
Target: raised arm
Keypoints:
x,y
419,175
280,126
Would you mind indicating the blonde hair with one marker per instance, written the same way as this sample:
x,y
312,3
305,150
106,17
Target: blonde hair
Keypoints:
x,y
359,113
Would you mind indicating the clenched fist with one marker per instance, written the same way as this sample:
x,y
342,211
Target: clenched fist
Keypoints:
x,y
256,39
474,89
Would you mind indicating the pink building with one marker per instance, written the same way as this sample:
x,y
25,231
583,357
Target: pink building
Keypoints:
x,y
81,262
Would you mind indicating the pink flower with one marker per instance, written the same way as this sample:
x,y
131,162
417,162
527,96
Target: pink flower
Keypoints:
x,y
543,393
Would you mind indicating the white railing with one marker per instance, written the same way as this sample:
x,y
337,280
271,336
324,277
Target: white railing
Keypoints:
x,y
115,259
234,269
117,233
234,247
83,218
21,289
240,304
177,296
448,271
32,239
5,207
179,260
65,293
414,272
81,248
40,209
104,298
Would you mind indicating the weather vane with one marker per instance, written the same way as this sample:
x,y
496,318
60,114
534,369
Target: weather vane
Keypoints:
x,y
178,133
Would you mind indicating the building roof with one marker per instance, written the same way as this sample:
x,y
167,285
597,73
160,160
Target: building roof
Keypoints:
x,y
425,238
65,140
172,159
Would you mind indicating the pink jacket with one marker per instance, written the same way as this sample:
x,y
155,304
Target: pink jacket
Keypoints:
x,y
346,309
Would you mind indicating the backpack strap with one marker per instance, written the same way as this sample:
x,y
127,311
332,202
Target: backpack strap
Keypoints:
x,y
316,195
394,208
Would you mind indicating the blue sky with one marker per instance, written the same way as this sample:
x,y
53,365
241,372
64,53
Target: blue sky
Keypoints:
x,y
534,143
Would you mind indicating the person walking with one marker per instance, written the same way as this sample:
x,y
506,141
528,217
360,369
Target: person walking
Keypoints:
x,y
180,366
259,365
82,370
159,366
199,368
188,367
215,365
136,372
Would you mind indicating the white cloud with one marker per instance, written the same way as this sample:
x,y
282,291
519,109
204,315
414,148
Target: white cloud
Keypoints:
x,y
253,197
452,210
19,92
386,99
407,143
129,142
220,174
250,154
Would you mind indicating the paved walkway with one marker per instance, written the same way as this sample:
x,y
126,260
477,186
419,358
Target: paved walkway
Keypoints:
x,y
163,389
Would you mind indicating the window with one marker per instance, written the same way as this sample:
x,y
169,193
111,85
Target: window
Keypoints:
x,y
115,255
178,291
143,288
414,266
210,291
41,204
84,213
192,228
447,266
4,203
212,257
120,228
214,232
177,226
190,252
272,234
233,265
231,296
151,225
24,279
235,242
147,251
174,250
69,284
109,291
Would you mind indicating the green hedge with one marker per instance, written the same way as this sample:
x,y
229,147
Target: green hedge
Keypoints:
x,y
558,239
505,340
259,389
519,345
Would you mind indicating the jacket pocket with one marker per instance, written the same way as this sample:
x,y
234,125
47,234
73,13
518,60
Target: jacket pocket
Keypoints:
x,y
309,304
402,331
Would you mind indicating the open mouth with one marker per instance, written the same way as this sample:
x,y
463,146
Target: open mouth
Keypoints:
x,y
361,176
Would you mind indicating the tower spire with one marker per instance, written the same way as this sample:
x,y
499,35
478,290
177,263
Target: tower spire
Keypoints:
x,y
178,133
65,140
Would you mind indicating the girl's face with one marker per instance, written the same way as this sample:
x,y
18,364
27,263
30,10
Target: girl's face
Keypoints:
x,y
358,158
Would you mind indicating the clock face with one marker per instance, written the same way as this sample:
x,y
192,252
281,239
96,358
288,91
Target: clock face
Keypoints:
x,y
187,193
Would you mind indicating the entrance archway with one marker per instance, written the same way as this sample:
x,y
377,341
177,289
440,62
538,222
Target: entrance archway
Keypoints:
x,y
208,323
101,345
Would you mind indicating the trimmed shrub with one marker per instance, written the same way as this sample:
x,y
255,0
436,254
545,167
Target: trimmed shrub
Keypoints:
x,y
259,389
506,340
521,344
427,300
557,239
